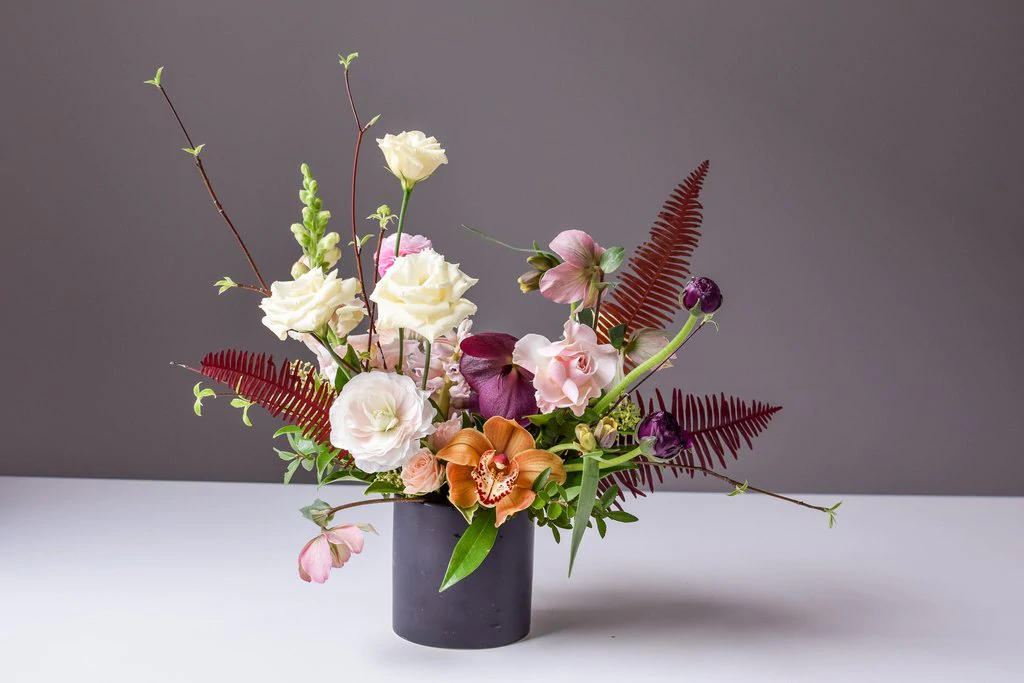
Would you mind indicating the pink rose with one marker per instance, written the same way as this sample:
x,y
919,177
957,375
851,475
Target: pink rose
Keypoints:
x,y
411,244
423,474
570,372
331,549
444,431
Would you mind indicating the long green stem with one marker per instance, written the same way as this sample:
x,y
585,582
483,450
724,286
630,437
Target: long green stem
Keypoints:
x,y
605,464
337,359
648,365
426,366
406,191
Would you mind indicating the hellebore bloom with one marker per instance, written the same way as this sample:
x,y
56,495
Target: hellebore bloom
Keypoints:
x,y
504,388
703,291
668,437
496,469
575,280
331,549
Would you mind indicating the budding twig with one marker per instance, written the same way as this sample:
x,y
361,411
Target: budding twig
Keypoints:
x,y
209,189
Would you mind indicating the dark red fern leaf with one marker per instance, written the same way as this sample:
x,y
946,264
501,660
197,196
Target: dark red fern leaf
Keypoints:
x,y
647,293
718,424
282,391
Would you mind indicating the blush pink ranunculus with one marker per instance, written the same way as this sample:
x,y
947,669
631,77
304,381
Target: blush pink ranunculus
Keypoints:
x,y
411,244
576,279
567,373
445,431
331,549
423,474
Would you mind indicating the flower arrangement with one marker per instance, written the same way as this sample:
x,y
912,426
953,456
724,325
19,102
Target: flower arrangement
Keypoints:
x,y
404,397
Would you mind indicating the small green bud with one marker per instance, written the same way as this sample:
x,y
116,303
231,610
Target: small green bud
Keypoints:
x,y
305,170
585,437
530,281
298,229
606,432
331,257
542,262
323,216
313,186
307,214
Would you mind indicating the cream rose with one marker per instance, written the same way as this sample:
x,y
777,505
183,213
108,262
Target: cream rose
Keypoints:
x,y
423,293
412,156
379,418
310,301
423,474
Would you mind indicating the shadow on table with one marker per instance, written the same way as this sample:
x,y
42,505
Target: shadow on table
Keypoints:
x,y
669,616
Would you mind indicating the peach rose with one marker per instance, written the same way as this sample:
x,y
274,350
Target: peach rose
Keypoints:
x,y
422,474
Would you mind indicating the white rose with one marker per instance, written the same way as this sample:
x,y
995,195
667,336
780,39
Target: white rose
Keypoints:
x,y
379,418
423,293
310,301
412,156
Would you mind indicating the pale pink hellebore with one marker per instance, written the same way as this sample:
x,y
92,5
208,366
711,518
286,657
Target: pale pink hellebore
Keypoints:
x,y
576,279
331,549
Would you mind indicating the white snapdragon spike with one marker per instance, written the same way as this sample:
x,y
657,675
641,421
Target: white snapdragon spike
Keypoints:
x,y
309,302
412,156
379,418
422,292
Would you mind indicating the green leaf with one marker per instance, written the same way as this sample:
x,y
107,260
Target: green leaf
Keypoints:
x,y
200,394
585,317
541,420
608,497
156,79
587,497
244,404
612,258
556,534
224,284
347,61
471,550
288,429
373,120
741,489
542,479
617,335
317,512
285,455
381,486
322,461
832,514
602,526
194,151
290,471
621,516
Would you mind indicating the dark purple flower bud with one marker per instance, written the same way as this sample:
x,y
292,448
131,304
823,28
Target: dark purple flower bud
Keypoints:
x,y
502,387
668,437
703,291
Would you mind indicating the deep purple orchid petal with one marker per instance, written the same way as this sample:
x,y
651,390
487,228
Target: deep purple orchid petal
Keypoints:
x,y
479,371
489,345
577,248
510,395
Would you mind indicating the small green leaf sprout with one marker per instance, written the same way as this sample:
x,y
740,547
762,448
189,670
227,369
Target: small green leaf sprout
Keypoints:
x,y
194,151
224,284
739,490
155,81
200,393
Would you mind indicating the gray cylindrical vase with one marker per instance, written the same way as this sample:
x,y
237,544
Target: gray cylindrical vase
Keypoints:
x,y
489,608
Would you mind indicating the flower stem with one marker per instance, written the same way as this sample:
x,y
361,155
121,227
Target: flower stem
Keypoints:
x,y
375,501
213,195
739,484
406,191
649,364
337,359
605,464
426,366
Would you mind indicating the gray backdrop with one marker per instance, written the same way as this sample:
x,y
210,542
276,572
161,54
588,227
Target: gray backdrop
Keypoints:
x,y
862,212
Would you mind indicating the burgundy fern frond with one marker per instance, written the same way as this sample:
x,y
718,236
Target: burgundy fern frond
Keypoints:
x,y
716,423
282,391
647,294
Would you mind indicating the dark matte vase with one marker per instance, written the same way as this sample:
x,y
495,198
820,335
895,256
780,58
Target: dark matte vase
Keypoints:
x,y
489,608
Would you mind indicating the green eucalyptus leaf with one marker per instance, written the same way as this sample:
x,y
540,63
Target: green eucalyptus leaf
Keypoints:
x,y
602,526
471,550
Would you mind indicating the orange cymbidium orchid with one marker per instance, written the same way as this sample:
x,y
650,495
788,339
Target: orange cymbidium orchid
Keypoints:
x,y
497,468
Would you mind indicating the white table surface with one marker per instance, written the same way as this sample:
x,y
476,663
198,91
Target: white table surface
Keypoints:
x,y
174,581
